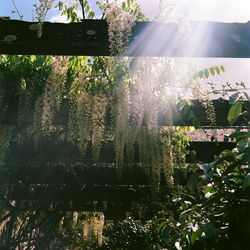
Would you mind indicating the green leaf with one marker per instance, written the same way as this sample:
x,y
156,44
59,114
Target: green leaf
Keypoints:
x,y
212,71
60,5
73,17
222,68
123,5
210,189
217,70
242,145
129,3
240,134
206,72
247,96
195,235
23,83
87,9
161,225
231,90
234,113
246,182
91,15
32,58
234,98
69,13
244,113
181,104
201,74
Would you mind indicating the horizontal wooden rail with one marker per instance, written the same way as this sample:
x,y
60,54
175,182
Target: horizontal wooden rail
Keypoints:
x,y
191,115
88,175
66,152
63,167
112,209
74,193
84,194
201,39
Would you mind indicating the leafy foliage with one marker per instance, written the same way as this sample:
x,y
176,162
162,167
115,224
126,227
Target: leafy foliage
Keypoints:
x,y
134,9
105,98
100,100
70,11
216,217
206,73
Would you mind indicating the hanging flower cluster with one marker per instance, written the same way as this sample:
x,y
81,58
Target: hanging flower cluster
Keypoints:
x,y
136,100
87,115
41,11
120,26
50,101
123,104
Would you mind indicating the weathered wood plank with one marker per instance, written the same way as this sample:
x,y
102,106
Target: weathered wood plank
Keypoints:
x,y
180,117
206,39
66,152
74,192
111,209
61,168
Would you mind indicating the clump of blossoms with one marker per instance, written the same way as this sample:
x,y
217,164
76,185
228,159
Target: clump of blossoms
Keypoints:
x,y
120,26
52,97
87,115
125,107
41,11
134,100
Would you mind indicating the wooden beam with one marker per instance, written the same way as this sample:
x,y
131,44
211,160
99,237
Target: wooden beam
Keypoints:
x,y
111,209
205,39
195,114
180,117
67,152
62,167
81,194
73,192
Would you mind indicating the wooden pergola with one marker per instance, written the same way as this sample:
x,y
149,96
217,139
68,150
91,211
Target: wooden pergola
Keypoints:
x,y
90,38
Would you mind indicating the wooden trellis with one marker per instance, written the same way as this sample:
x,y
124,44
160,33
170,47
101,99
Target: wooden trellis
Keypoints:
x,y
180,117
90,37
203,39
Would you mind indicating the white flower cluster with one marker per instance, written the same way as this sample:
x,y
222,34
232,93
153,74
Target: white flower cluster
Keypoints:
x,y
80,113
41,11
47,3
53,92
87,116
120,26
98,123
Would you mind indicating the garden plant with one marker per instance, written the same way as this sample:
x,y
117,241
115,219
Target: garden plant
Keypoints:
x,y
79,104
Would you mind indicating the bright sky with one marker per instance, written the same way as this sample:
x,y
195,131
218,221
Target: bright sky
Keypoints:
x,y
237,70
208,10
211,10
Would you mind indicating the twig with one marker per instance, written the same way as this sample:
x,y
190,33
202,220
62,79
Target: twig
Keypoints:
x,y
227,90
83,13
21,17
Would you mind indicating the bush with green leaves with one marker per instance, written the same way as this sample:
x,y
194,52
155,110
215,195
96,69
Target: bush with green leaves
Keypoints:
x,y
217,218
